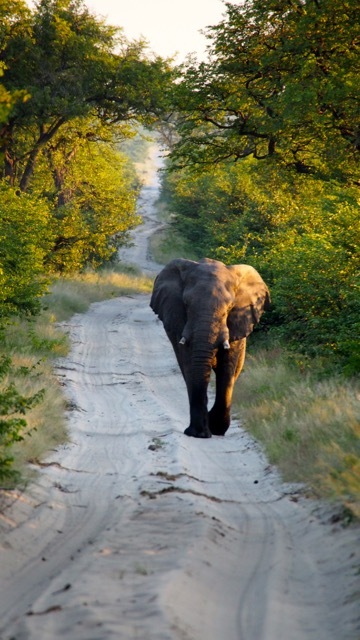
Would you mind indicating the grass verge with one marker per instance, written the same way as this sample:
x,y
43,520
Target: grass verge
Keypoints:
x,y
309,425
33,346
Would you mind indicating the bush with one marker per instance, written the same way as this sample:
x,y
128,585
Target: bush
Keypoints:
x,y
300,232
316,296
25,237
13,405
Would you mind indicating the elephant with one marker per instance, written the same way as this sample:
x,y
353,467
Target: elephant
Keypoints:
x,y
208,310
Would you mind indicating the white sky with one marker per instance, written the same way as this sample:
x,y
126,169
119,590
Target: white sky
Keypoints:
x,y
170,26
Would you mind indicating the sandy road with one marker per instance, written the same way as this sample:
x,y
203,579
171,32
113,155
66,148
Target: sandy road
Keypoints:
x,y
134,531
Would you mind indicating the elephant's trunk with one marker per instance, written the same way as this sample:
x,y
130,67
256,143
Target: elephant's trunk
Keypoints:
x,y
204,344
212,334
197,384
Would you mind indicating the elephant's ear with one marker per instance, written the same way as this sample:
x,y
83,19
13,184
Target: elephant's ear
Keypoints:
x,y
167,296
251,299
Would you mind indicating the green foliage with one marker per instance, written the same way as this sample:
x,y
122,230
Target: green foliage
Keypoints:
x,y
9,28
299,231
13,405
8,100
281,83
94,198
72,87
25,238
317,295
72,66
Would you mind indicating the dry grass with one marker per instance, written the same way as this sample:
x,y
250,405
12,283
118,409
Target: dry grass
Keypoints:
x,y
45,422
310,428
74,294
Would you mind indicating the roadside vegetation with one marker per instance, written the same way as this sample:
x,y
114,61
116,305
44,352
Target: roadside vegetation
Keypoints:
x,y
305,415
74,94
263,143
264,170
168,242
307,422
74,294
28,351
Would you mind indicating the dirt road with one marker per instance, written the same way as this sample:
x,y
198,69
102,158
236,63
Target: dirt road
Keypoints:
x,y
134,531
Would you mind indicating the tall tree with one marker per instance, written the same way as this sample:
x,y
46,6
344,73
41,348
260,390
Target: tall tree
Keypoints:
x,y
93,188
71,65
281,82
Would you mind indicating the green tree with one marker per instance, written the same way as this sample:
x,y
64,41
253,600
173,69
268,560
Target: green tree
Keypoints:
x,y
281,82
71,65
300,232
25,239
94,189
265,169
80,87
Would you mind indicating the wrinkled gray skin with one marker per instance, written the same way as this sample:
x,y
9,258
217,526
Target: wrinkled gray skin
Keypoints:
x,y
208,310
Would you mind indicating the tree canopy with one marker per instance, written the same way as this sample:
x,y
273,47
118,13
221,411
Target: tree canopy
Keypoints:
x,y
72,89
281,82
264,140
70,65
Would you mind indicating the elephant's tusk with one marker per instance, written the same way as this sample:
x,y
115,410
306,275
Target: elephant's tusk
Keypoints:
x,y
183,340
226,344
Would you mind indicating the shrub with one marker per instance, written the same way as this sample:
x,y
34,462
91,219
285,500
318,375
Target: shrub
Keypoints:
x,y
13,406
25,237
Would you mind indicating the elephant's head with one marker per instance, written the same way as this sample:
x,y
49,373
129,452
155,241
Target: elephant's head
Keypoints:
x,y
206,308
207,300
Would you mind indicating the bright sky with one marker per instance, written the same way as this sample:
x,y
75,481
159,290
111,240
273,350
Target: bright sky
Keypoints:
x,y
170,26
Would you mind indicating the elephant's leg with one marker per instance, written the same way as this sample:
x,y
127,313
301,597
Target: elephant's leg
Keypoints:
x,y
199,422
228,368
198,400
199,419
197,393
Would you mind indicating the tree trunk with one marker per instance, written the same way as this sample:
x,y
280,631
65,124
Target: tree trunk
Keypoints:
x,y
6,135
43,139
30,166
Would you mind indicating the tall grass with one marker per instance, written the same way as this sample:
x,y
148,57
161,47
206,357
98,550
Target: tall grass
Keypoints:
x,y
35,344
309,425
69,295
46,424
